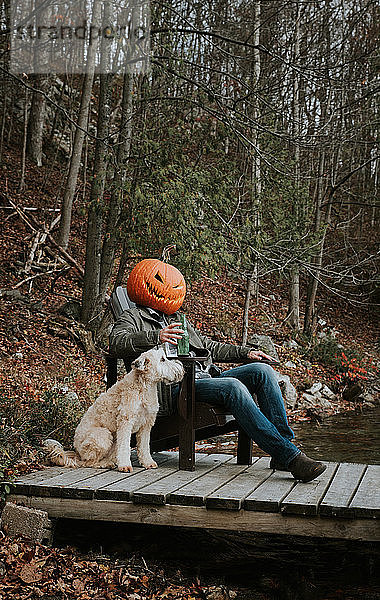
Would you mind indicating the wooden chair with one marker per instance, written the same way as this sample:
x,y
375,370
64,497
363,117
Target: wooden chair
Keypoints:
x,y
192,421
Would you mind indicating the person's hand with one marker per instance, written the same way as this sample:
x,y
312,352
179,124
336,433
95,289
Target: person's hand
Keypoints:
x,y
261,356
171,333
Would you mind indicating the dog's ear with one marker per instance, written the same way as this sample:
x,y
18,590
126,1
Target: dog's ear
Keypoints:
x,y
141,364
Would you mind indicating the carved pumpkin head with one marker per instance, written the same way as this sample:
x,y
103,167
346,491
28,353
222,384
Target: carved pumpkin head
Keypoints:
x,y
158,285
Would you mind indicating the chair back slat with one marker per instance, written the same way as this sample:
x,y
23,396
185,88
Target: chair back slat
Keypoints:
x,y
120,301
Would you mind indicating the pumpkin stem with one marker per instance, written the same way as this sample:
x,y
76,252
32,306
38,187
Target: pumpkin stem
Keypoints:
x,y
165,256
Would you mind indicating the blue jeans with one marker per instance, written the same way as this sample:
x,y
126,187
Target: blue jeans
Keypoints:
x,y
266,423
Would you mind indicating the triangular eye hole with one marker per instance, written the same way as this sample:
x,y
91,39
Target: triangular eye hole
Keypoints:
x,y
158,276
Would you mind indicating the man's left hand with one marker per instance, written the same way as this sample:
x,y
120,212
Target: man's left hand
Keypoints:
x,y
261,356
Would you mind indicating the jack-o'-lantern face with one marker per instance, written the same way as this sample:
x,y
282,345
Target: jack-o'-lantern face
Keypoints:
x,y
158,285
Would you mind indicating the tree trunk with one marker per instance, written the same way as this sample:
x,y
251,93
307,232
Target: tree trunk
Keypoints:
x,y
72,178
253,279
90,296
250,291
4,116
293,316
375,179
111,238
23,158
91,282
294,283
309,319
5,80
310,314
37,120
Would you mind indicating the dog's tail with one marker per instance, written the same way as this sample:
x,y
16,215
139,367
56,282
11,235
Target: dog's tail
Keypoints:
x,y
59,456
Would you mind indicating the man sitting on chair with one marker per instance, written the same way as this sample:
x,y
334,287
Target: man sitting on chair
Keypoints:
x,y
159,291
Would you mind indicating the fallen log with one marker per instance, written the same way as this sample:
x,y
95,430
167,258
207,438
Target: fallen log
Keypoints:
x,y
37,228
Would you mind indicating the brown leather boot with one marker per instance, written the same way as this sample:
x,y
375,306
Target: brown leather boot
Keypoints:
x,y
305,469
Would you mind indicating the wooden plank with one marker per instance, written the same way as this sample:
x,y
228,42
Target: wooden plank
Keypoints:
x,y
189,516
43,474
304,499
195,492
54,485
22,484
269,495
342,488
124,488
366,501
162,457
157,492
87,489
231,495
159,457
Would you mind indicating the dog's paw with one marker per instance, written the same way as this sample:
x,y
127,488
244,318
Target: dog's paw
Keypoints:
x,y
151,465
127,469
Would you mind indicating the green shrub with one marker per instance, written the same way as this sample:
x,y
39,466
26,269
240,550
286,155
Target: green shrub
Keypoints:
x,y
13,447
24,423
350,364
326,350
56,415
28,421
330,352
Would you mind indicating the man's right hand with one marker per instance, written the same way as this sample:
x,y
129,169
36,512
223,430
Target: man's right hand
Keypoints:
x,y
171,333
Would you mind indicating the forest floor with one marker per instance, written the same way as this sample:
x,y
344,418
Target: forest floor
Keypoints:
x,y
45,372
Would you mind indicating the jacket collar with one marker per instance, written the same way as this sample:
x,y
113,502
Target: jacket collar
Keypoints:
x,y
149,314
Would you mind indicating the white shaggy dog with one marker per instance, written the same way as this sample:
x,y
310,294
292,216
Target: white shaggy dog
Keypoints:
x,y
103,436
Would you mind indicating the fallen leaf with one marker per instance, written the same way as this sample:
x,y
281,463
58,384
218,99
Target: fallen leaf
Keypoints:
x,y
78,585
30,574
61,585
40,562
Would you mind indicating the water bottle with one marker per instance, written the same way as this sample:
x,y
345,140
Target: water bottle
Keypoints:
x,y
183,343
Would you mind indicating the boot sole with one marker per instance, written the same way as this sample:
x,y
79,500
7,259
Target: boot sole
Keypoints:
x,y
313,475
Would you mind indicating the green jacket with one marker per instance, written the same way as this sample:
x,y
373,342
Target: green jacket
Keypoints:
x,y
137,330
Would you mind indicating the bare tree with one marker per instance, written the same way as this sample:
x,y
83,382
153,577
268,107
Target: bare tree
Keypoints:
x,y
253,279
37,120
293,316
72,177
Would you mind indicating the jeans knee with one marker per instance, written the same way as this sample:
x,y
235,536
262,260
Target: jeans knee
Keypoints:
x,y
262,371
267,371
234,389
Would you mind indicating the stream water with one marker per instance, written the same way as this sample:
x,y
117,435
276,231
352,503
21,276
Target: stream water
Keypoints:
x,y
347,437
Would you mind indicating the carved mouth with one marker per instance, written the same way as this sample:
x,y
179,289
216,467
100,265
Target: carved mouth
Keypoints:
x,y
152,290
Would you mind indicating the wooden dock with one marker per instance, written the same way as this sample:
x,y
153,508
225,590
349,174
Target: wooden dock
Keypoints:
x,y
343,503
